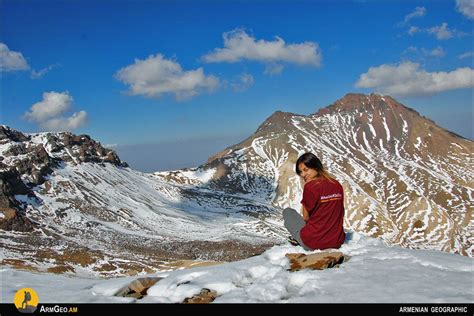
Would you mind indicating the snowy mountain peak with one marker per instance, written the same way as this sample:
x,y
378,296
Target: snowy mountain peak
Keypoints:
x,y
53,147
406,179
27,160
277,122
356,102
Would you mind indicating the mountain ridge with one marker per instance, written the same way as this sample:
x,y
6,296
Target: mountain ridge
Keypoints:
x,y
69,205
372,137
406,181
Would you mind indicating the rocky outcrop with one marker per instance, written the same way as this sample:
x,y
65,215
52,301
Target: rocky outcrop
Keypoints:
x,y
13,219
27,160
10,185
315,261
206,296
81,148
7,133
34,156
12,216
138,288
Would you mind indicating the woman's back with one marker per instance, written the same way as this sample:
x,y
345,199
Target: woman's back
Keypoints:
x,y
324,201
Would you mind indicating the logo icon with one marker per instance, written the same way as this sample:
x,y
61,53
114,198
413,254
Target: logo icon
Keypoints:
x,y
26,300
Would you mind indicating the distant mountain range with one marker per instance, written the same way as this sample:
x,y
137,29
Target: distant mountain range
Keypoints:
x,y
68,204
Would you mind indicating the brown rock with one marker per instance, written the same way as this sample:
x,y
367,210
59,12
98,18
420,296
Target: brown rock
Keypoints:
x,y
316,261
206,296
143,284
14,220
138,287
7,133
8,213
60,269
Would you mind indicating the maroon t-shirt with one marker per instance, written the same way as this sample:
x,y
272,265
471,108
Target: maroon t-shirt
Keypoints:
x,y
324,201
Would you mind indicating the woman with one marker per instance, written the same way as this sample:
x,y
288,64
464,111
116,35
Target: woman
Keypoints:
x,y
321,223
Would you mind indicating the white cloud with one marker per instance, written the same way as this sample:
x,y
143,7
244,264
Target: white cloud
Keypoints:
x,y
11,61
238,45
410,49
408,79
65,123
53,104
437,52
442,32
40,73
273,69
244,81
414,52
418,12
466,55
466,7
47,113
156,76
412,30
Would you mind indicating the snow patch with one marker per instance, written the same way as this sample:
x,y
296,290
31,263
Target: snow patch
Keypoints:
x,y
413,276
201,175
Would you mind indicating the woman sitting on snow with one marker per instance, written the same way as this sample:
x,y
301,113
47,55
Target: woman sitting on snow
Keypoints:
x,y
321,223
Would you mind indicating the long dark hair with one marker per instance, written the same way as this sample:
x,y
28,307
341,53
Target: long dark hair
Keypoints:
x,y
311,161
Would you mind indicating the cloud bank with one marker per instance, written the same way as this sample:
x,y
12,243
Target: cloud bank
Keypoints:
x,y
408,79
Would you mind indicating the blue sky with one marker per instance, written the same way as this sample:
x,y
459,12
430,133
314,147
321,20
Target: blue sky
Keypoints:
x,y
153,77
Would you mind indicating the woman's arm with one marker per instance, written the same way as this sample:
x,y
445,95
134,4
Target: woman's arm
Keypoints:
x,y
304,213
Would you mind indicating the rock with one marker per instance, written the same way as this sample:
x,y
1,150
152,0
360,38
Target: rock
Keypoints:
x,y
11,185
60,269
143,284
12,219
7,133
12,215
316,261
138,287
206,296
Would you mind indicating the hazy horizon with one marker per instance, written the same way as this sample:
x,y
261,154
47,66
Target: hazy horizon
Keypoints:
x,y
186,153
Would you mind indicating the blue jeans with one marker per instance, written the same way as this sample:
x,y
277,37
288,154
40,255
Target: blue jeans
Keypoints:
x,y
293,222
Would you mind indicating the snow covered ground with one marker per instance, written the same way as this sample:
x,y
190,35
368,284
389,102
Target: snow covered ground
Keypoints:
x,y
374,273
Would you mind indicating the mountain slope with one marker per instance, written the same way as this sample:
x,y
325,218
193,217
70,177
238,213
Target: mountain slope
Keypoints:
x,y
69,205
406,179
